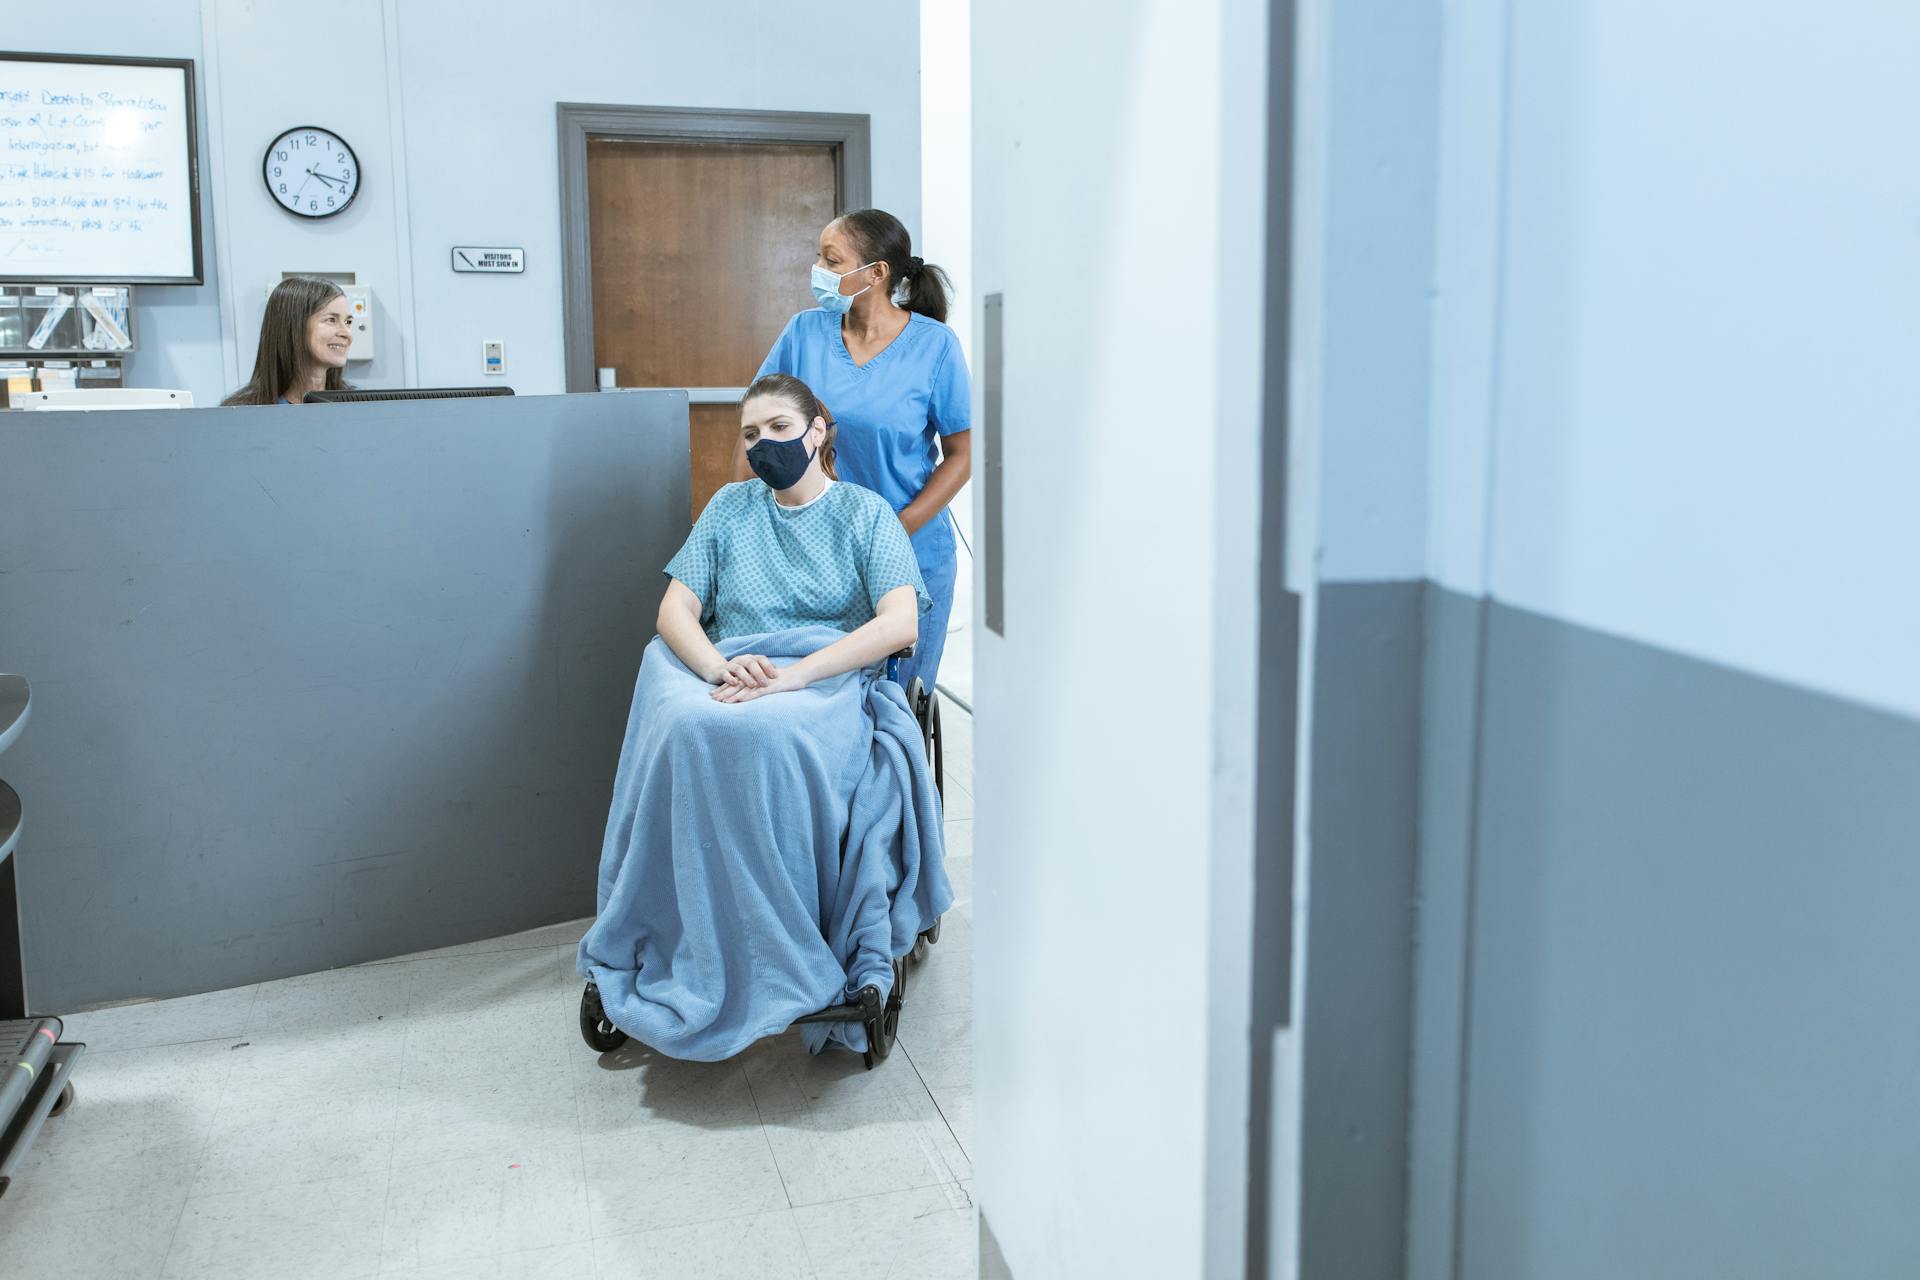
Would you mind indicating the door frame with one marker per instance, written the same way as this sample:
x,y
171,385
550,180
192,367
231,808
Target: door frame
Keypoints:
x,y
1271,1246
849,135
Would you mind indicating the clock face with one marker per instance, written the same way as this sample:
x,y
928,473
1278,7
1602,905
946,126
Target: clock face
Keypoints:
x,y
311,172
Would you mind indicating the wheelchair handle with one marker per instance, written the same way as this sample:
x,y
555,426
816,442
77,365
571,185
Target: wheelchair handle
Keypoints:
x,y
892,669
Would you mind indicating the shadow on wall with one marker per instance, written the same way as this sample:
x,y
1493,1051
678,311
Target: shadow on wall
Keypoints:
x,y
1691,953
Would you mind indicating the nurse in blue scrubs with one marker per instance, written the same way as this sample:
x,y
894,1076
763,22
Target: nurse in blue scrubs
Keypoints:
x,y
878,352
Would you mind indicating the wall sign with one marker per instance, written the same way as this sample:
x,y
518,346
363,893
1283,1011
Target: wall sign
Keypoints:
x,y
468,257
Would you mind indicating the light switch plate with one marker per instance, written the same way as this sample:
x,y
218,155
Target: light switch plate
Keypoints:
x,y
493,356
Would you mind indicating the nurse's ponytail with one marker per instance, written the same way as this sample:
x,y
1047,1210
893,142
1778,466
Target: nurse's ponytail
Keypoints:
x,y
919,286
784,386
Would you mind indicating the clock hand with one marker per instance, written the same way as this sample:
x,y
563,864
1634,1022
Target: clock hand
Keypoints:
x,y
323,177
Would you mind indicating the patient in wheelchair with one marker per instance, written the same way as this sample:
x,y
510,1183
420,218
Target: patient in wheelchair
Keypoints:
x,y
774,841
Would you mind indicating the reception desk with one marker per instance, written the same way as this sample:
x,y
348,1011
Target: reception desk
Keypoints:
x,y
320,685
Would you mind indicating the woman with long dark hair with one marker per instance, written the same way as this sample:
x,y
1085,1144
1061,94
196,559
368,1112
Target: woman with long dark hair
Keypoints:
x,y
878,350
304,339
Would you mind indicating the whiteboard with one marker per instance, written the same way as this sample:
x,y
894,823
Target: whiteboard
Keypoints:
x,y
98,175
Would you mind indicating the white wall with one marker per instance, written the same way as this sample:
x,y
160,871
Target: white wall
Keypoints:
x,y
1466,281
263,74
946,147
1113,799
946,199
450,108
1377,186
1703,349
481,83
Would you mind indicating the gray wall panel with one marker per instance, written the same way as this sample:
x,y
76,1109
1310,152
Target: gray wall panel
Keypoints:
x,y
1451,626
1694,1022
1662,955
322,685
1359,970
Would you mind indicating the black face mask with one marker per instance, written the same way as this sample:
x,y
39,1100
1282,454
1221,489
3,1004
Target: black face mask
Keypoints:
x,y
781,463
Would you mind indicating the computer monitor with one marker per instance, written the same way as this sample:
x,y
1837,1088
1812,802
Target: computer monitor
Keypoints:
x,y
405,393
103,398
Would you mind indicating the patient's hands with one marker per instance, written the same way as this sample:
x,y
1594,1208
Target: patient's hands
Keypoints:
x,y
748,671
785,680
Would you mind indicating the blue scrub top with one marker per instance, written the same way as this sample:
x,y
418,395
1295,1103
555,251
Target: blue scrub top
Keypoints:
x,y
887,411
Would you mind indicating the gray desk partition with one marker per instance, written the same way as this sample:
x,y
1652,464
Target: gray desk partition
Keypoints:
x,y
320,685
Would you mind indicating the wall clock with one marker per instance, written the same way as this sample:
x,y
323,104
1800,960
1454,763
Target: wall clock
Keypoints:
x,y
311,172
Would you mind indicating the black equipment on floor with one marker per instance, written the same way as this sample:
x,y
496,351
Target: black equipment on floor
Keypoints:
x,y
36,1063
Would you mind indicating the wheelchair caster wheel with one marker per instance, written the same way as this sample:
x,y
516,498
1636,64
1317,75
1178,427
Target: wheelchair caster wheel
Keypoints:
x,y
595,1027
927,938
63,1102
870,1001
882,1019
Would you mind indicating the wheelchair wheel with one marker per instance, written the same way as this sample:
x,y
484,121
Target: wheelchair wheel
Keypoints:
x,y
926,711
595,1027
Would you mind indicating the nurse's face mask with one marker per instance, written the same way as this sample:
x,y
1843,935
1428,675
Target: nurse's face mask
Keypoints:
x,y
782,463
826,289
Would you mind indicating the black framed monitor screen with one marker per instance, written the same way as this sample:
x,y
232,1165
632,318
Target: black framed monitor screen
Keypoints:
x,y
405,393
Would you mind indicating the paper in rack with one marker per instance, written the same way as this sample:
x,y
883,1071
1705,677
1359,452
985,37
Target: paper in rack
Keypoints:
x,y
115,337
59,307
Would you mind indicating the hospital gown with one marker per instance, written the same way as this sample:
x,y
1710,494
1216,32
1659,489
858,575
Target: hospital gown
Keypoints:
x,y
759,567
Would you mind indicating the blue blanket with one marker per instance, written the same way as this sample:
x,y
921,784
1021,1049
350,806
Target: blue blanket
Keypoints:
x,y
762,861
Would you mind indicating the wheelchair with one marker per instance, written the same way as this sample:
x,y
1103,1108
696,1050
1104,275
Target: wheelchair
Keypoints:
x,y
881,1017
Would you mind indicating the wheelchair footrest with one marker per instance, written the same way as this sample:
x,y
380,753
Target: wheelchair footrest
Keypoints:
x,y
866,1008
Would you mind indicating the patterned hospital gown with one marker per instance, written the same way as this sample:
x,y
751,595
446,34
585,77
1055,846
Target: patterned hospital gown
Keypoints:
x,y
758,566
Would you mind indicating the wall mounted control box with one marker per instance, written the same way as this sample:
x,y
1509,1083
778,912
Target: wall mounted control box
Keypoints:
x,y
360,298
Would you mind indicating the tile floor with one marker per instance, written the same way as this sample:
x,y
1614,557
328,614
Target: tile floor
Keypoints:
x,y
438,1116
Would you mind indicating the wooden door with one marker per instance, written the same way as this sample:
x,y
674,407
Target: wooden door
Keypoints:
x,y
700,255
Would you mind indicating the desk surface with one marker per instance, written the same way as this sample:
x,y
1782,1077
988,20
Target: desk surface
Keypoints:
x,y
14,699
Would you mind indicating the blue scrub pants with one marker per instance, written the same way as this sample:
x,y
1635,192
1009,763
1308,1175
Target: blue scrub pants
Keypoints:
x,y
939,566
